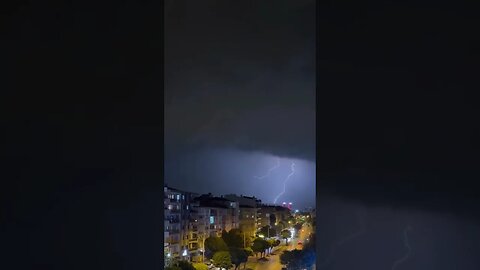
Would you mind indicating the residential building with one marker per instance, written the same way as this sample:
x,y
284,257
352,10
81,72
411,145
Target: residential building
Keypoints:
x,y
177,214
271,215
209,217
248,214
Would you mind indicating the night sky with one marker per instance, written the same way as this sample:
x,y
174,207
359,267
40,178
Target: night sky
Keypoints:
x,y
239,95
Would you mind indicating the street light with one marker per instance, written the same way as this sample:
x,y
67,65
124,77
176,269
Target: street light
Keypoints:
x,y
203,249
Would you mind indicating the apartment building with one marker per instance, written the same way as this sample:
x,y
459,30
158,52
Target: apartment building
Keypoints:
x,y
271,215
177,214
209,217
248,213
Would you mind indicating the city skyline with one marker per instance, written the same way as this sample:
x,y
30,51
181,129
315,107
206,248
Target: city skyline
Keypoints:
x,y
245,167
240,98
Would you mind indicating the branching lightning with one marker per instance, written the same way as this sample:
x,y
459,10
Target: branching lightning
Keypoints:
x,y
344,240
407,245
269,171
285,183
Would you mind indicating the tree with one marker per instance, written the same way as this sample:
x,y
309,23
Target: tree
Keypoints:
x,y
185,265
298,226
277,243
267,231
260,246
214,244
248,251
285,235
292,259
298,259
222,259
257,247
310,244
281,225
180,265
271,243
286,257
200,266
290,219
239,256
173,267
233,238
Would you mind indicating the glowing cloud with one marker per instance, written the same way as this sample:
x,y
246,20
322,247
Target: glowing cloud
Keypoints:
x,y
362,230
270,170
285,183
407,245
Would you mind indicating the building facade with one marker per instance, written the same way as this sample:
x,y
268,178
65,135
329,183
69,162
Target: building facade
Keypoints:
x,y
177,214
272,215
209,218
248,214
189,219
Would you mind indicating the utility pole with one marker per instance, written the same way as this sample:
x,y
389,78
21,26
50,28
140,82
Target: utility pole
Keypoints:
x,y
203,248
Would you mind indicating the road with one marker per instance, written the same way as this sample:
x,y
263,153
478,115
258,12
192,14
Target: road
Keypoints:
x,y
273,262
303,236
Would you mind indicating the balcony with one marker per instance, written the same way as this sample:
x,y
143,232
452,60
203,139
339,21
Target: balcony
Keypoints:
x,y
173,242
193,249
174,221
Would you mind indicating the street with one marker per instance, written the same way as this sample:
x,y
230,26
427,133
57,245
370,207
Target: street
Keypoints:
x,y
304,234
273,262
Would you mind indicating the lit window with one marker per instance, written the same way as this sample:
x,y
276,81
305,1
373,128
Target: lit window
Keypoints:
x,y
187,207
170,207
178,197
212,219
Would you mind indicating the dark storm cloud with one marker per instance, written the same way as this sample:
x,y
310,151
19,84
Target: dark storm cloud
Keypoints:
x,y
240,74
399,123
366,237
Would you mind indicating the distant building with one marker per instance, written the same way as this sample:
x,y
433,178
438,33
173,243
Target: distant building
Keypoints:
x,y
271,215
248,214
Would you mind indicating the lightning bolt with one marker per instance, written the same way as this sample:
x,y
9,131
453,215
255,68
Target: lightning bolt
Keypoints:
x,y
344,240
407,245
285,183
269,171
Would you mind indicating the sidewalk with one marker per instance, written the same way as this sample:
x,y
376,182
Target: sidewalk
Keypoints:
x,y
253,263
